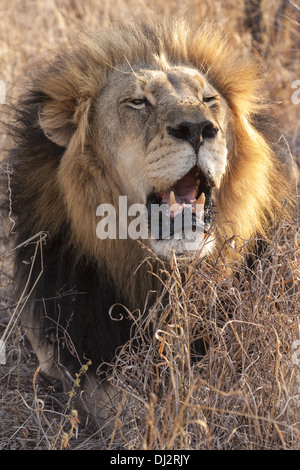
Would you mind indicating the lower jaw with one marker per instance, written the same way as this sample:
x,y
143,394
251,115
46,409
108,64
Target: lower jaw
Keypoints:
x,y
200,247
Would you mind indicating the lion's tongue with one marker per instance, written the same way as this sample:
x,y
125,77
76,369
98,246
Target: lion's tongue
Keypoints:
x,y
181,193
171,197
184,190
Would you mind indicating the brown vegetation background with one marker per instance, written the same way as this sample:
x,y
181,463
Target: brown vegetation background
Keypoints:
x,y
244,394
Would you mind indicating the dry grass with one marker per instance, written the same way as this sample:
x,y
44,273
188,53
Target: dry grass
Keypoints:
x,y
242,394
245,392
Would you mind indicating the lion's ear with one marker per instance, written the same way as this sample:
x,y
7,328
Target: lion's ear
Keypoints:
x,y
56,120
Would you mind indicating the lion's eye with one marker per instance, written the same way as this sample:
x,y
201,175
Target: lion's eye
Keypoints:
x,y
209,99
139,103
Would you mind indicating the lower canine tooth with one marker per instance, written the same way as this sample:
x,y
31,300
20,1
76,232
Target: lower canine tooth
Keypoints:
x,y
172,199
175,207
201,199
173,204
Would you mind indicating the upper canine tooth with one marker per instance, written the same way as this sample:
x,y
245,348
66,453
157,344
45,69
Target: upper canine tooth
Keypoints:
x,y
201,199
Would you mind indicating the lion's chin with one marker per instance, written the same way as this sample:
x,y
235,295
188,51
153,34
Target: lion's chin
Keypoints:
x,y
199,248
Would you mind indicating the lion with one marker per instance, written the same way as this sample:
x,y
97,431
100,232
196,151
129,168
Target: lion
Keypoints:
x,y
164,114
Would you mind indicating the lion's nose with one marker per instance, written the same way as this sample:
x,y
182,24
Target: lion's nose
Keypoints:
x,y
194,133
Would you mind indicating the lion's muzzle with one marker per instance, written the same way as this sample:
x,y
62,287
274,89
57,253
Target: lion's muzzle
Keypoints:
x,y
194,133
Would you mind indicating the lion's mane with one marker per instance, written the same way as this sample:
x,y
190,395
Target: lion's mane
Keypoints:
x,y
79,283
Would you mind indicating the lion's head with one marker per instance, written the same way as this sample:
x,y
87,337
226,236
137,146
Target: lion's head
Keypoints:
x,y
159,114
168,142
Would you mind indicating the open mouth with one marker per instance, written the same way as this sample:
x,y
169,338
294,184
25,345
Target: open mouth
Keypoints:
x,y
187,206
